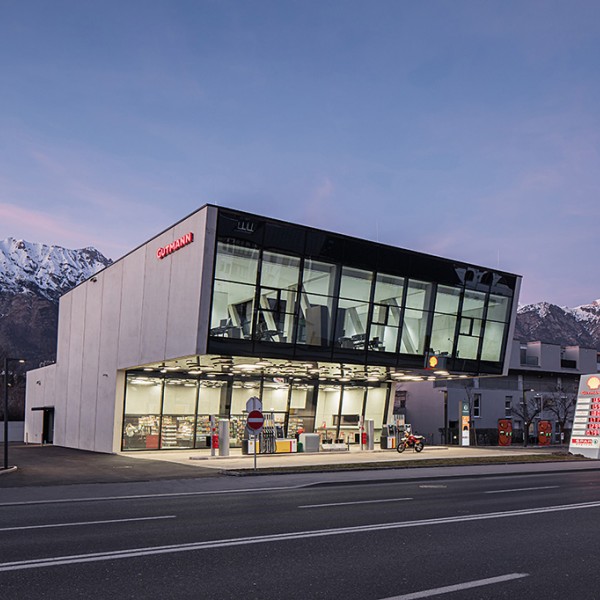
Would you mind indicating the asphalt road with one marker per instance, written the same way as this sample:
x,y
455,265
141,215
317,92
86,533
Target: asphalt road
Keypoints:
x,y
531,536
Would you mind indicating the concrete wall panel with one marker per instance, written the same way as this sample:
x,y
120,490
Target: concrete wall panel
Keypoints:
x,y
132,293
106,411
75,369
91,353
62,369
185,288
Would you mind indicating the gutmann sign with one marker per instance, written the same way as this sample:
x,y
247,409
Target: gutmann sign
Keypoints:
x,y
585,437
184,240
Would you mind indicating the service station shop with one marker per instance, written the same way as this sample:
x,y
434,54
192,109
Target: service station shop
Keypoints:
x,y
226,306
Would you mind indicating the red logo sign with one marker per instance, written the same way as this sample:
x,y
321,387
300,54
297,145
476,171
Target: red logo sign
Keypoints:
x,y
184,240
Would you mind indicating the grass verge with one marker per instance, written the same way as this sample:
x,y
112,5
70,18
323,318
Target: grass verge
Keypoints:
x,y
409,464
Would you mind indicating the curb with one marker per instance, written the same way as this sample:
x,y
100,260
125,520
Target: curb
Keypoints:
x,y
411,477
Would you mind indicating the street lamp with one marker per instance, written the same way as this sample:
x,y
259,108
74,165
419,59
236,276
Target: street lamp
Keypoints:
x,y
6,361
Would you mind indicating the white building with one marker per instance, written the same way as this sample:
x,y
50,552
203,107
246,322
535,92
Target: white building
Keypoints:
x,y
226,305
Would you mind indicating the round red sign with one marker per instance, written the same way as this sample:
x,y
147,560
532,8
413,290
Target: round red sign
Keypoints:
x,y
255,420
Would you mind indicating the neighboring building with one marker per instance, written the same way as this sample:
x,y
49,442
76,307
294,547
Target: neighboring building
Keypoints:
x,y
225,305
539,373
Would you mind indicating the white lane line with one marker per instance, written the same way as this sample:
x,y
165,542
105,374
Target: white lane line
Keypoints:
x,y
467,585
277,537
352,503
529,489
86,523
149,496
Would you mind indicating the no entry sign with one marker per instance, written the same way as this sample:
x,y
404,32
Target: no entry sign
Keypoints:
x,y
255,421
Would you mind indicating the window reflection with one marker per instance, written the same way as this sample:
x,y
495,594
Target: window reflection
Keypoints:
x,y
414,327
277,298
386,313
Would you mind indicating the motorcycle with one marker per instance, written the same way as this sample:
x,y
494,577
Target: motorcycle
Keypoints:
x,y
416,442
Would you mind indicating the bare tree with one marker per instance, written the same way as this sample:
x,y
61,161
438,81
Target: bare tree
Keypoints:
x,y
527,410
561,403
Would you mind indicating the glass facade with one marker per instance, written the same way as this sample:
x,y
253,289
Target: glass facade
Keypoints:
x,y
310,295
173,412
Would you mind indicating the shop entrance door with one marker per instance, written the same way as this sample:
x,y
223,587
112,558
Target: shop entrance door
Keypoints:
x,y
48,426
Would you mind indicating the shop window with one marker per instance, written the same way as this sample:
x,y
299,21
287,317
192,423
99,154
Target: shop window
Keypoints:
x,y
179,413
141,421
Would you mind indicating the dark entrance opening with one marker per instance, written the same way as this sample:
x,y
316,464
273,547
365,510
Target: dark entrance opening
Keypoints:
x,y
47,423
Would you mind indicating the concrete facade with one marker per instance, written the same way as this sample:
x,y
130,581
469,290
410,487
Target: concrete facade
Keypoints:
x,y
141,309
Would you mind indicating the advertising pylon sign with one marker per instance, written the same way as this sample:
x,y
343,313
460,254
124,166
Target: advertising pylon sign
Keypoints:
x,y
585,437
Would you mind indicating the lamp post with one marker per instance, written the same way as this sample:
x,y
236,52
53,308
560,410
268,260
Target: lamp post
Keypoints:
x,y
6,361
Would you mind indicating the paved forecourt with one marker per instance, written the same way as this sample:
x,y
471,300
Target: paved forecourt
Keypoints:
x,y
355,457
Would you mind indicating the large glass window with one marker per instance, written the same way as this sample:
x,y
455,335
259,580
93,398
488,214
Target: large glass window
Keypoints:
x,y
236,263
328,407
353,308
277,298
495,328
385,321
236,269
375,407
471,320
141,423
444,319
179,413
315,327
212,395
414,327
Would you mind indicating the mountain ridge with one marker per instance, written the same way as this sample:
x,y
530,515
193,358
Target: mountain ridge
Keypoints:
x,y
553,324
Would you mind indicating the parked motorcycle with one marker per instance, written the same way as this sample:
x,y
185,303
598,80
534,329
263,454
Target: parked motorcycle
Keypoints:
x,y
410,440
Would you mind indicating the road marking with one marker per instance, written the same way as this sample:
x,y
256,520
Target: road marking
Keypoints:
x,y
529,489
460,586
276,537
149,496
86,523
352,503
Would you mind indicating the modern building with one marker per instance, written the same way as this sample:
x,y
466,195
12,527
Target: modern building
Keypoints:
x,y
224,306
542,382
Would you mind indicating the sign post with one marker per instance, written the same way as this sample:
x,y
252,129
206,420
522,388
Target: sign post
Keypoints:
x,y
255,420
255,423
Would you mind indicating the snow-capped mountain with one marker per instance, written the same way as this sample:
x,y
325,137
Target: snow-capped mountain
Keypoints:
x,y
547,322
32,278
46,271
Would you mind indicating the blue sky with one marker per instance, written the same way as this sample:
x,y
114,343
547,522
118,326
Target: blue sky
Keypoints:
x,y
467,129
